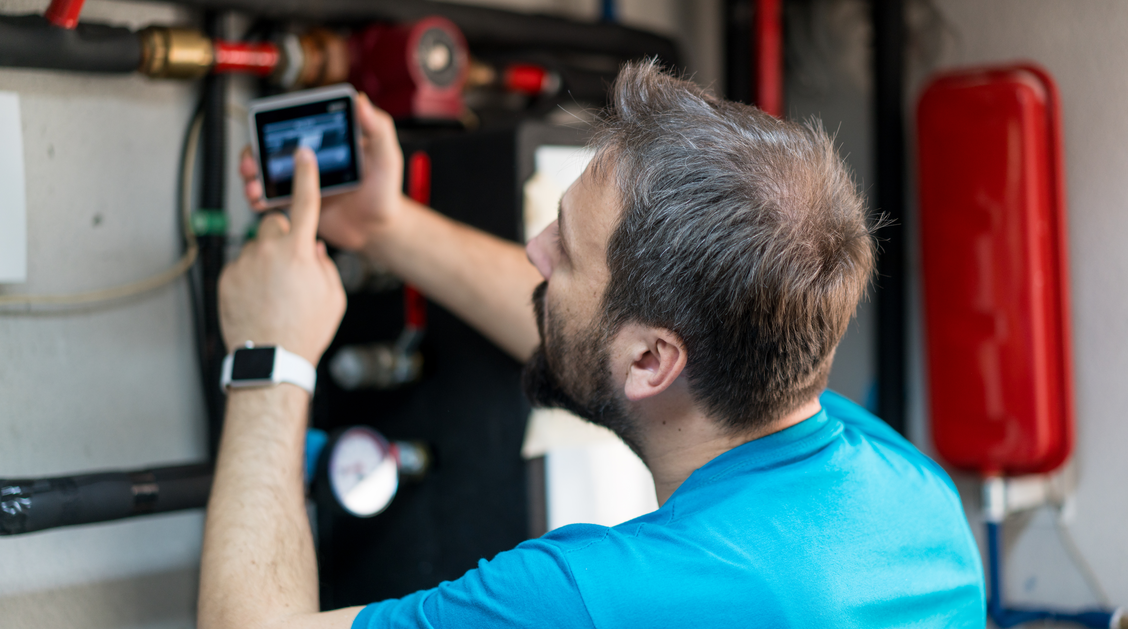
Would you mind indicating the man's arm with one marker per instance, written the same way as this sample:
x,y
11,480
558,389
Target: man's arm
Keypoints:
x,y
485,280
488,282
258,567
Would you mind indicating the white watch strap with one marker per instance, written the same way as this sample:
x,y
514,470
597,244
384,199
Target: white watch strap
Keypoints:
x,y
288,367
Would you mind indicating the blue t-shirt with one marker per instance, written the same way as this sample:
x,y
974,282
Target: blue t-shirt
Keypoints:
x,y
835,522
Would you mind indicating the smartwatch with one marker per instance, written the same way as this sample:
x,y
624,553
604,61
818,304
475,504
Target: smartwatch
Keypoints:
x,y
252,366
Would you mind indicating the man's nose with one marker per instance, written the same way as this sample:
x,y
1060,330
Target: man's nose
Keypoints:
x,y
539,252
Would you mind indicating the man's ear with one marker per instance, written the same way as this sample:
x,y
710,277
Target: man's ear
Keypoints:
x,y
656,357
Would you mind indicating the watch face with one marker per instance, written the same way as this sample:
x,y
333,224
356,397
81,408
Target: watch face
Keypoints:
x,y
256,363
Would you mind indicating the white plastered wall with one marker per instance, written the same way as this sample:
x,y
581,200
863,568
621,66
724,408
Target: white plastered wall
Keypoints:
x,y
117,387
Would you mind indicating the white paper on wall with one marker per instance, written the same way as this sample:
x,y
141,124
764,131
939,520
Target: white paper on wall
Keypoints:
x,y
13,196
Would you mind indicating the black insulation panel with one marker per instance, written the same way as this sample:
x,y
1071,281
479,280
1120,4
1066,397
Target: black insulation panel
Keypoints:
x,y
468,406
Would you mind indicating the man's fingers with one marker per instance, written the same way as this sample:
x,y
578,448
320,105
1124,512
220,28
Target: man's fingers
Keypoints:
x,y
253,191
273,225
377,126
247,166
252,187
306,207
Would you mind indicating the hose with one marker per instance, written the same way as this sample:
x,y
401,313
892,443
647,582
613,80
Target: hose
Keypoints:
x,y
136,288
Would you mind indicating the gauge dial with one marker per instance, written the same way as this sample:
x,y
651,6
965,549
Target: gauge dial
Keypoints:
x,y
363,472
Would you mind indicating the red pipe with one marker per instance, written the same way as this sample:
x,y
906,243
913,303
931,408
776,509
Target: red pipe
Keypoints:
x,y
64,13
419,189
767,57
259,59
525,78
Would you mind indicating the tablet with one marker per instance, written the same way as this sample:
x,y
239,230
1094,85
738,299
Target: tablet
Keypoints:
x,y
323,120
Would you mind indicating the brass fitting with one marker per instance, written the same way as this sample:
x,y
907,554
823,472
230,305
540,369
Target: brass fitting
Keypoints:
x,y
175,53
326,58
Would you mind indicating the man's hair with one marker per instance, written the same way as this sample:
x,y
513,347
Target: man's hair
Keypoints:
x,y
741,233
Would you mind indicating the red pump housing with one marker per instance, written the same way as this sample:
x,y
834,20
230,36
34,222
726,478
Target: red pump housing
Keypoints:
x,y
996,288
414,70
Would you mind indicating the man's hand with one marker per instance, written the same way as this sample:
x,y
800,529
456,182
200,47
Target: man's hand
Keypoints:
x,y
483,279
284,290
348,220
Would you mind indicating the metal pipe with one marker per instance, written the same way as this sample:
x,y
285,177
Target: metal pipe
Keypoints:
x,y
213,246
257,58
485,29
767,59
31,41
28,505
889,198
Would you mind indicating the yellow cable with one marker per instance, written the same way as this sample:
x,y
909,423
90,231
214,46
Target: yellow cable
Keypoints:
x,y
148,284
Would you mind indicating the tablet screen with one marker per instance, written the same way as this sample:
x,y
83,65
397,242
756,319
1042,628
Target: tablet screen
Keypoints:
x,y
325,127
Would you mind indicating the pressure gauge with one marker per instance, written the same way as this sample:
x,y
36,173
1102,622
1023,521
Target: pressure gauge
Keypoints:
x,y
363,471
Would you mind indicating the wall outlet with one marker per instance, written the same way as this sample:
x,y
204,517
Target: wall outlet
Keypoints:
x,y
13,196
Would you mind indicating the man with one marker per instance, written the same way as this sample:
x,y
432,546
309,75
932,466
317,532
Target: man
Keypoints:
x,y
689,297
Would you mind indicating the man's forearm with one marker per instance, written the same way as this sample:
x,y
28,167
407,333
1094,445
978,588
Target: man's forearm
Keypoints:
x,y
485,280
258,566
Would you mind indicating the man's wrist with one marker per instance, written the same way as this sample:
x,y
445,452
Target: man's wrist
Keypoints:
x,y
279,414
382,237
282,395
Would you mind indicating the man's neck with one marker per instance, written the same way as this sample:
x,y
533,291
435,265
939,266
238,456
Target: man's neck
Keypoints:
x,y
675,446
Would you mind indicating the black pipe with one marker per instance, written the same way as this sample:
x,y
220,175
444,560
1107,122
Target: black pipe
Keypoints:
x,y
28,505
30,41
213,145
889,125
484,28
738,51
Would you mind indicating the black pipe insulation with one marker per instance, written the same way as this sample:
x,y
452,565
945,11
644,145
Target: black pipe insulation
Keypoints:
x,y
213,191
486,29
889,187
30,41
28,505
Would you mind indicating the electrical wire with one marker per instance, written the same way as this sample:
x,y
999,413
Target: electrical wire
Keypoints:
x,y
142,286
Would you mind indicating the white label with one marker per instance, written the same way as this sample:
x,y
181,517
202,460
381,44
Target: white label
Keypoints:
x,y
13,197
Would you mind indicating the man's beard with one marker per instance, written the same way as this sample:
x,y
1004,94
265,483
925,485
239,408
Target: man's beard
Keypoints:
x,y
574,374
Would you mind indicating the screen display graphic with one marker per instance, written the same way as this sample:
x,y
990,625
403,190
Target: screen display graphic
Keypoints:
x,y
324,127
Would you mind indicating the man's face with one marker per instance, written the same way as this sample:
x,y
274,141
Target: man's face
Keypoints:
x,y
570,368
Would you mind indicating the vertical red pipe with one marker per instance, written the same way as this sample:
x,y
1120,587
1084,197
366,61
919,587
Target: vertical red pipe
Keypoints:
x,y
64,13
767,57
419,189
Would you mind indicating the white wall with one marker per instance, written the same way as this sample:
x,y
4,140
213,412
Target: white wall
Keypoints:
x,y
1085,48
109,387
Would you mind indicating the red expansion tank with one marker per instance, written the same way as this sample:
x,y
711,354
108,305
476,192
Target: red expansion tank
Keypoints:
x,y
996,287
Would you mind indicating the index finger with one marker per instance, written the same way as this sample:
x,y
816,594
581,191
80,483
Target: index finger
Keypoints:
x,y
306,208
